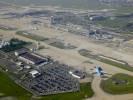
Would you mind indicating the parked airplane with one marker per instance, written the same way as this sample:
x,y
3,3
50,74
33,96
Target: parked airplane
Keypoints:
x,y
99,71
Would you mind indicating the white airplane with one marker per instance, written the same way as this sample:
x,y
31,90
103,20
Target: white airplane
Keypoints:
x,y
99,71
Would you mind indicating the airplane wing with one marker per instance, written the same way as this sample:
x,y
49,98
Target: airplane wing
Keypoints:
x,y
104,72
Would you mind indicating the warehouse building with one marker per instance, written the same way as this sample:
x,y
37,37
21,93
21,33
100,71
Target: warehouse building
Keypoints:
x,y
77,74
30,58
34,73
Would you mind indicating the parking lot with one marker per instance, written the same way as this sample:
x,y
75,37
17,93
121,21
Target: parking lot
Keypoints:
x,y
54,79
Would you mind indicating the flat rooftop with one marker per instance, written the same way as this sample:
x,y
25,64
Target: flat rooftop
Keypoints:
x,y
32,57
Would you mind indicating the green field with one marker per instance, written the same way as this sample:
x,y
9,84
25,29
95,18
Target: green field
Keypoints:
x,y
5,29
31,36
85,92
117,24
62,45
123,66
113,23
9,88
118,84
87,53
123,9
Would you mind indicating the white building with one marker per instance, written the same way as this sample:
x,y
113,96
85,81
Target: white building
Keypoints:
x,y
34,73
77,74
74,75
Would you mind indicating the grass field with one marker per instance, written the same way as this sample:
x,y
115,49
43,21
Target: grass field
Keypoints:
x,y
62,45
113,23
85,92
31,36
124,9
118,84
5,29
9,88
123,66
87,53
117,24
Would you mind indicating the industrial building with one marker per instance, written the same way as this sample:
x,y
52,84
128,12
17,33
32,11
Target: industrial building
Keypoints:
x,y
96,18
77,74
30,58
35,73
20,52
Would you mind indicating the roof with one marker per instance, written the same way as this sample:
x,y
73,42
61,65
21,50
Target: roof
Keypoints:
x,y
33,72
78,74
33,58
21,51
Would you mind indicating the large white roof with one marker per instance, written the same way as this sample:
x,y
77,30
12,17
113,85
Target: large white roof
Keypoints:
x,y
33,72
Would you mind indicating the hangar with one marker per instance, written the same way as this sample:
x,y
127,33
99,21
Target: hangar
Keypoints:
x,y
30,58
